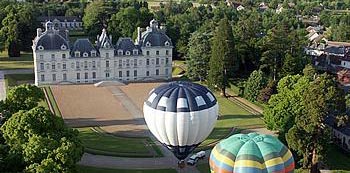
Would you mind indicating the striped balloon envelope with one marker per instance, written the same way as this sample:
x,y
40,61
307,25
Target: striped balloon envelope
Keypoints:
x,y
251,153
181,115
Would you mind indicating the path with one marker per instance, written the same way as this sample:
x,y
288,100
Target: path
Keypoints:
x,y
2,79
168,161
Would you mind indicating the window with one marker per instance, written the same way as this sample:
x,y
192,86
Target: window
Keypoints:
x,y
40,47
157,52
148,44
135,52
127,73
147,73
135,62
64,66
85,54
41,66
53,77
167,43
77,54
78,76
120,52
157,72
120,63
53,67
147,53
93,75
166,61
107,75
107,55
64,56
42,77
120,73
77,65
135,72
127,63
93,53
86,75
53,56
41,57
166,71
127,52
107,64
64,76
93,64
157,61
85,64
147,61
167,52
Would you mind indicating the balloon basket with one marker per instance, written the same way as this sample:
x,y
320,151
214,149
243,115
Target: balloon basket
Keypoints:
x,y
181,164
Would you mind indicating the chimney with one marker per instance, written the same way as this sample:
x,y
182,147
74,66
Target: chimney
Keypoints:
x,y
39,31
67,34
138,34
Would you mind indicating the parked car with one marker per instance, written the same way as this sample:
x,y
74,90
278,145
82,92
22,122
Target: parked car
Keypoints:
x,y
195,157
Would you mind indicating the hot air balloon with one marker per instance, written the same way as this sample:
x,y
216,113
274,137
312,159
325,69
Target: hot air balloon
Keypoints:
x,y
251,153
180,115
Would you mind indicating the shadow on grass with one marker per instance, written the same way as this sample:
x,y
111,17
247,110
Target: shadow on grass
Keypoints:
x,y
225,117
338,159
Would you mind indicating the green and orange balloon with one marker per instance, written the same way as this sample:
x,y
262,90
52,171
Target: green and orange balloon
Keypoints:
x,y
251,153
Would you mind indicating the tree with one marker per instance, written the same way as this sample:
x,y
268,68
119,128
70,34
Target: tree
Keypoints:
x,y
291,65
266,93
198,56
95,17
283,107
310,136
254,84
309,71
222,61
23,97
45,143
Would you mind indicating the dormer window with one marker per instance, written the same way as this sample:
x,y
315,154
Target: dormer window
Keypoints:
x,y
63,47
135,52
127,52
148,44
77,54
93,53
40,47
120,52
167,43
85,54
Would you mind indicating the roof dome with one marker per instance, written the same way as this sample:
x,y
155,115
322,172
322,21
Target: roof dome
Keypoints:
x,y
50,41
156,38
251,152
181,97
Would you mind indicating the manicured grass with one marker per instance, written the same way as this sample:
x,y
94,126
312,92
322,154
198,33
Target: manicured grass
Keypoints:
x,y
88,169
231,116
338,160
177,71
203,167
105,144
52,101
23,62
17,79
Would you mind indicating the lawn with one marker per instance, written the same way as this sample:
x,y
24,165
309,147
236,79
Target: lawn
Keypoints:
x,y
52,101
17,79
177,71
231,116
23,62
338,160
88,169
203,167
101,143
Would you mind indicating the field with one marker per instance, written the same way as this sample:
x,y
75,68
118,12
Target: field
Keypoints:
x,y
17,79
98,142
88,169
23,62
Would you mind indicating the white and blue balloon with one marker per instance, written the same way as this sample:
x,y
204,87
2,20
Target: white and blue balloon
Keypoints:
x,y
181,115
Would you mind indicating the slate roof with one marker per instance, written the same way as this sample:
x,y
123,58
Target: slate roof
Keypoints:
x,y
83,45
155,37
126,44
331,121
50,41
335,49
181,97
60,18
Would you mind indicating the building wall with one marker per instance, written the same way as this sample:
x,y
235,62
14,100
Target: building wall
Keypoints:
x,y
343,139
49,65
